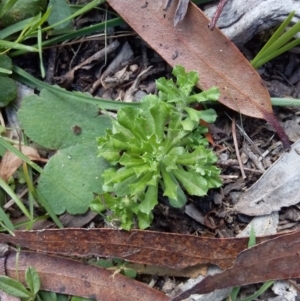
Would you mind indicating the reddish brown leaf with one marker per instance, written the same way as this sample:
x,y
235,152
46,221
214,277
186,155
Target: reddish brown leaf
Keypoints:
x,y
72,277
193,45
154,248
275,259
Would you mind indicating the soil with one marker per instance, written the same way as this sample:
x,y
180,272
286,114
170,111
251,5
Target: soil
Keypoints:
x,y
281,77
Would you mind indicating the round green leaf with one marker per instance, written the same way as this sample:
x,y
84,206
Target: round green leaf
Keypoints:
x,y
57,122
71,177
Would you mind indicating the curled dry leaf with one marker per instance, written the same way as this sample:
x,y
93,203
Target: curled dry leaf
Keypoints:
x,y
11,162
193,45
274,259
277,188
170,250
71,277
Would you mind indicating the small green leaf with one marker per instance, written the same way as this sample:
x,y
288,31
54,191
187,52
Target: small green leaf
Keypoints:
x,y
185,81
211,94
192,182
252,237
104,263
60,11
75,298
48,296
33,280
144,219
131,273
13,287
170,184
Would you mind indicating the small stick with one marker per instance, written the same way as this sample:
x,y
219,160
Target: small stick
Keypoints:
x,y
167,4
237,148
217,14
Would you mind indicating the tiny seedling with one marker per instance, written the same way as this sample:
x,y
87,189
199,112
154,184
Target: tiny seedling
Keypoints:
x,y
159,145
117,265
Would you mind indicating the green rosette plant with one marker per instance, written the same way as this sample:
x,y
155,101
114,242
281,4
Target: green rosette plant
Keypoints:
x,y
159,145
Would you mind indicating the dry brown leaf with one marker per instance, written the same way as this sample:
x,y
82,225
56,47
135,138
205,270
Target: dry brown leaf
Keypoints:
x,y
275,259
170,250
73,277
193,45
11,162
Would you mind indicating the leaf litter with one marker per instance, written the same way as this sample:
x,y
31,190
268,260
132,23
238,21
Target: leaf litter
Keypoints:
x,y
76,170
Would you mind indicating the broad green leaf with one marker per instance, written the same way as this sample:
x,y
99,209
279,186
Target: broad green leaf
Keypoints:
x,y
111,176
150,200
123,188
200,154
192,182
129,161
77,172
13,287
127,118
141,183
189,125
60,11
208,115
144,219
65,121
181,198
170,184
33,280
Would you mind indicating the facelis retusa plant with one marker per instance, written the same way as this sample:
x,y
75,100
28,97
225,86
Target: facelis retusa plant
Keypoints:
x,y
158,146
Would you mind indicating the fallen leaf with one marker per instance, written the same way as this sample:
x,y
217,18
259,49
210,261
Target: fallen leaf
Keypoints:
x,y
170,250
274,259
277,188
10,162
193,45
71,277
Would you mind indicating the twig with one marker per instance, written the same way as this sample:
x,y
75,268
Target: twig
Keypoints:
x,y
217,14
237,148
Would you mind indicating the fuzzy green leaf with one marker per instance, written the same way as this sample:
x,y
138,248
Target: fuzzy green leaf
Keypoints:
x,y
77,177
13,287
33,280
73,123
